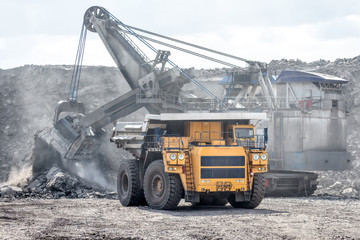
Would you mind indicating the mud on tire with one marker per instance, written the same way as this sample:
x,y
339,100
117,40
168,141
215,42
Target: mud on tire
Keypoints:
x,y
257,194
162,190
128,183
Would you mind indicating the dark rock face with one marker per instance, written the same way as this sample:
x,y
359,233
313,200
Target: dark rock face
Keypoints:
x,y
28,97
9,119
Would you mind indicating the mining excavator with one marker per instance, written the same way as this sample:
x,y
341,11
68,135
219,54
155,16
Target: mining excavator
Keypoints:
x,y
185,148
194,148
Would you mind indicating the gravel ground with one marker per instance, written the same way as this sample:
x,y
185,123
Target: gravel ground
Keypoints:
x,y
275,218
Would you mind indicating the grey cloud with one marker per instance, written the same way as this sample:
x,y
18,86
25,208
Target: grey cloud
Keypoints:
x,y
338,29
174,17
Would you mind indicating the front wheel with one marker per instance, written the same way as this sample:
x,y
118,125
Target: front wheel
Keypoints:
x,y
162,190
257,194
128,183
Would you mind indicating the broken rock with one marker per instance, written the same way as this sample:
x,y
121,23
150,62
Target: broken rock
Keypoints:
x,y
10,190
35,184
57,183
51,173
349,192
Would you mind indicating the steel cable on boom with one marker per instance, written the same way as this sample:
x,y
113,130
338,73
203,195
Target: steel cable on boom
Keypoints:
x,y
75,79
222,104
191,44
184,50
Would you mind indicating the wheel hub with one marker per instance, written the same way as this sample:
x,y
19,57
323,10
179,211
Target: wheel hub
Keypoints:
x,y
158,186
124,184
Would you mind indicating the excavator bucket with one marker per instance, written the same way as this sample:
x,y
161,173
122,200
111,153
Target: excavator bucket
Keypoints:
x,y
68,106
52,144
78,136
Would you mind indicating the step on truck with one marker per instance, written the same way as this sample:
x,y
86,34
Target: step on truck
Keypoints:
x,y
200,157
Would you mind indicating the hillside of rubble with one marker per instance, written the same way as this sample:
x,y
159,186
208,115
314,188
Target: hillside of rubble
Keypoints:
x,y
29,95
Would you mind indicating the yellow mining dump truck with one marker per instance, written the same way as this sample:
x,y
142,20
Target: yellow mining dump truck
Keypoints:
x,y
202,157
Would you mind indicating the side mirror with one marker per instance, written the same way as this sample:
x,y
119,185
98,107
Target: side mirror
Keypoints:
x,y
265,135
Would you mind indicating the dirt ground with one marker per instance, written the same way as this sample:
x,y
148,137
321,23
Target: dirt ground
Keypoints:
x,y
275,218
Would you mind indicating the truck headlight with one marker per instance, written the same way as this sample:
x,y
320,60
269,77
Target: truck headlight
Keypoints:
x,y
173,156
256,156
263,156
181,156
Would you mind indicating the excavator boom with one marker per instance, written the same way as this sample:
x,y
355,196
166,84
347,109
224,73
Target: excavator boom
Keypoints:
x,y
156,89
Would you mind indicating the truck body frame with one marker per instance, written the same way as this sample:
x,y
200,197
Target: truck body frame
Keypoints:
x,y
208,160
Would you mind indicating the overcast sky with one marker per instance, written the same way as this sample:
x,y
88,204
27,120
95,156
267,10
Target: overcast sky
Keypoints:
x,y
47,32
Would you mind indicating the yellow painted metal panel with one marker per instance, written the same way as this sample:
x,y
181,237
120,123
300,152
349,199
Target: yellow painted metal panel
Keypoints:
x,y
203,185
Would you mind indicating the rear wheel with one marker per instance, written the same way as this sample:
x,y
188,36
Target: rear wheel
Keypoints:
x,y
128,183
162,190
257,194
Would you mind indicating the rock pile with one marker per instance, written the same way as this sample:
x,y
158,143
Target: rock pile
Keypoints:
x,y
55,184
339,183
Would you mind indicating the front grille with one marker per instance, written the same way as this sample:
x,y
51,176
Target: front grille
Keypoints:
x,y
223,173
221,161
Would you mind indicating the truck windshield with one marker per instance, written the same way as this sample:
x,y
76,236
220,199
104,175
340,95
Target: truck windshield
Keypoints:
x,y
244,133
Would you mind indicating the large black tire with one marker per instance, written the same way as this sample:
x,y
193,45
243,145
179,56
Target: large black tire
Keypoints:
x,y
162,190
128,183
257,194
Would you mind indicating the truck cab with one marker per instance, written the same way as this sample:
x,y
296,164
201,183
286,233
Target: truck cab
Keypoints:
x,y
243,135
